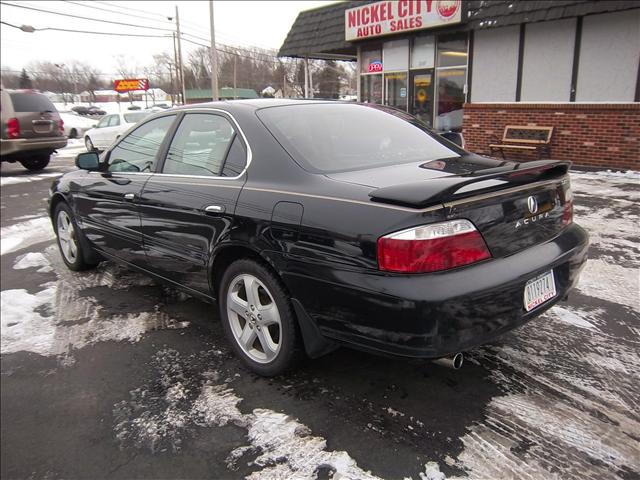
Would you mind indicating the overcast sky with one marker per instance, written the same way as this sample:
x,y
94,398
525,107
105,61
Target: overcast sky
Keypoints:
x,y
259,23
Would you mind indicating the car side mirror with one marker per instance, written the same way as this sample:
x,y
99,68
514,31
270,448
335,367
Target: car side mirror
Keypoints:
x,y
88,161
454,137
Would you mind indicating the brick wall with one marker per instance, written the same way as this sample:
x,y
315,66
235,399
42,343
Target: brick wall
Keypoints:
x,y
590,135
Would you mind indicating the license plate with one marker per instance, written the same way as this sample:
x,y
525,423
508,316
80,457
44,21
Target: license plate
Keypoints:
x,y
539,290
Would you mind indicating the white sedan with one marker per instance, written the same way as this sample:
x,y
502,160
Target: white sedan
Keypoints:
x,y
109,129
75,126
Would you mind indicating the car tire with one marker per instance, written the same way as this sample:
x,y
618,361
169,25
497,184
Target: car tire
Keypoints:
x,y
261,326
89,144
36,163
73,133
73,246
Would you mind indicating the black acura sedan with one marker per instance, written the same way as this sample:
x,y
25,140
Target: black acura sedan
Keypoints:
x,y
316,224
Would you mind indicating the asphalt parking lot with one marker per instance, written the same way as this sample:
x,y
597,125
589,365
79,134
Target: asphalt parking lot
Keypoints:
x,y
106,374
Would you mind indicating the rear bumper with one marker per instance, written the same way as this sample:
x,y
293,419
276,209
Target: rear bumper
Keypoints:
x,y
433,315
23,146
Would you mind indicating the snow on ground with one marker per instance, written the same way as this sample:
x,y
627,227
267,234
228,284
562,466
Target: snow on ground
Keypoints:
x,y
553,410
28,178
24,234
279,445
58,320
33,260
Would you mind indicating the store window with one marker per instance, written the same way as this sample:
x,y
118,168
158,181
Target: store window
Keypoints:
x,y
370,57
450,91
423,52
395,55
396,89
452,50
422,104
371,88
451,80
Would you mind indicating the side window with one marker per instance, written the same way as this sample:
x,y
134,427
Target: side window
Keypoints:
x,y
236,159
138,151
104,121
115,121
199,145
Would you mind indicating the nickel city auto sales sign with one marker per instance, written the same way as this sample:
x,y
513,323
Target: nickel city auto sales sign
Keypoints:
x,y
384,18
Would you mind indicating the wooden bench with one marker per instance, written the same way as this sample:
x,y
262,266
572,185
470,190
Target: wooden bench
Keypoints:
x,y
525,139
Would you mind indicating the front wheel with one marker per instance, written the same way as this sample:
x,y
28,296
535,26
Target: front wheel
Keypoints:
x,y
70,243
258,318
36,163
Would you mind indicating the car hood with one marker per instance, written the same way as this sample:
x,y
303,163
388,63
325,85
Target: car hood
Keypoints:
x,y
414,172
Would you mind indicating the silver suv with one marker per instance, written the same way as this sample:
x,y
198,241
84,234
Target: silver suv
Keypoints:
x,y
31,128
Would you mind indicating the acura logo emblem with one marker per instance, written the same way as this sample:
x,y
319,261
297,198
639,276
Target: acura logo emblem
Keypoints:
x,y
532,203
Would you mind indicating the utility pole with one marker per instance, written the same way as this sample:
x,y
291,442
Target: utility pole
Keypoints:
x,y
235,91
171,83
175,58
214,56
306,77
180,65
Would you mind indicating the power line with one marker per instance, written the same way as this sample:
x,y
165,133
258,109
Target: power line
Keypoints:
x,y
89,32
131,8
199,29
128,14
105,21
84,18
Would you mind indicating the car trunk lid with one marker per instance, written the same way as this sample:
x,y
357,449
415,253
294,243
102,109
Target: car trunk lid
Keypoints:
x,y
513,205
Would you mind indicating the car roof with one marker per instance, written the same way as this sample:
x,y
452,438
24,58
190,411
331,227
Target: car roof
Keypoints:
x,y
257,103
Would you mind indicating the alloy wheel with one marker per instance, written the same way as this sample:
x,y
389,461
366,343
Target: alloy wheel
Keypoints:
x,y
254,318
67,237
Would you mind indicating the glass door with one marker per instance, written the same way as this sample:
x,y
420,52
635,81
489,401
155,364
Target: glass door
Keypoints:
x,y
395,88
422,95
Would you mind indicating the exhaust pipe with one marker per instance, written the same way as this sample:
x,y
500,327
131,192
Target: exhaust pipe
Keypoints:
x,y
453,361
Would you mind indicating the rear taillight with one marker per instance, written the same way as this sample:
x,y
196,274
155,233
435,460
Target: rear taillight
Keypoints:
x,y
567,207
61,124
432,248
13,128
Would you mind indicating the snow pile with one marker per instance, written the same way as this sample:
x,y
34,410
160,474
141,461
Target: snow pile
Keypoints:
x,y
33,260
22,327
24,234
58,319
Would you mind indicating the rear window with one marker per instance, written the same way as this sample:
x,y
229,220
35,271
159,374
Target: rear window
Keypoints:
x,y
31,102
330,138
134,117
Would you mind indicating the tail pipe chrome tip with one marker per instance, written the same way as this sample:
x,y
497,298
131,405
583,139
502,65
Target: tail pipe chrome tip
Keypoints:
x,y
453,361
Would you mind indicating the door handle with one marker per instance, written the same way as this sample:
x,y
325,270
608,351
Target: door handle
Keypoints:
x,y
214,209
129,196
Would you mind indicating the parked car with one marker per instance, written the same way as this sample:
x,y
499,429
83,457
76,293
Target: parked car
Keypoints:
x,y
31,128
91,110
134,107
109,129
95,111
76,125
316,224
80,110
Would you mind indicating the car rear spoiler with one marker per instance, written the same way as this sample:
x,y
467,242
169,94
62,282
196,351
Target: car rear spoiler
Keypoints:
x,y
428,193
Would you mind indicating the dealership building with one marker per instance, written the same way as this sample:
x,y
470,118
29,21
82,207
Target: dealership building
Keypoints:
x,y
480,66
